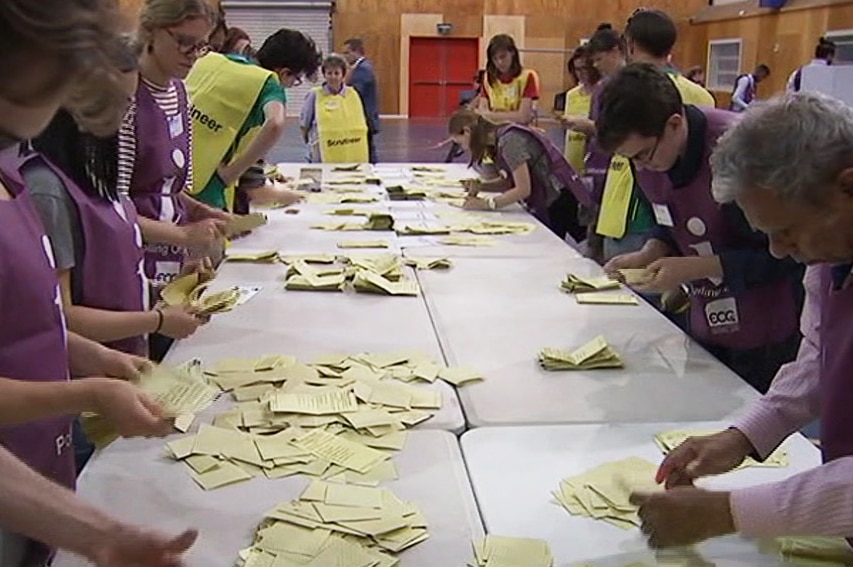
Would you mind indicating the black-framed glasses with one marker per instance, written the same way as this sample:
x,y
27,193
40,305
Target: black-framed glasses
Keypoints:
x,y
187,46
646,156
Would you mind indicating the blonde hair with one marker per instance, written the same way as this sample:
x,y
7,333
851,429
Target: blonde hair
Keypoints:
x,y
159,14
483,142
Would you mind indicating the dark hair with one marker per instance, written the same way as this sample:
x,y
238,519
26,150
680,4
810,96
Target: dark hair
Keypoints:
x,y
232,37
502,42
76,32
335,61
292,50
653,31
605,39
592,72
693,72
638,99
478,78
483,142
762,68
824,49
355,44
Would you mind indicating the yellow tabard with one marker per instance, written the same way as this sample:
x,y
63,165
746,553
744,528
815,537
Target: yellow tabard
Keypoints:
x,y
341,126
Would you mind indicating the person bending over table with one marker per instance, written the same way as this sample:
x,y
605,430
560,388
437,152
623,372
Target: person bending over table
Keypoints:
x,y
531,170
799,192
744,303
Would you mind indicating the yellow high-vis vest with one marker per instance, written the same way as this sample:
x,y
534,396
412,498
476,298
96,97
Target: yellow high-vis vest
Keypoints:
x,y
222,93
577,104
507,97
618,188
341,126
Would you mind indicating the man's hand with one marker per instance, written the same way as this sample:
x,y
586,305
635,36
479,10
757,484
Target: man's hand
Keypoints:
x,y
703,456
130,546
668,274
683,516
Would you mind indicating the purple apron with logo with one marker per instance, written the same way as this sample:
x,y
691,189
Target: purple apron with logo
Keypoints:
x,y
542,193
162,166
759,316
749,95
597,160
32,338
112,270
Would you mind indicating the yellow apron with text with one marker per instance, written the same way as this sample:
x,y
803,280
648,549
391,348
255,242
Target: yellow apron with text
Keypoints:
x,y
616,200
507,97
222,93
341,127
577,104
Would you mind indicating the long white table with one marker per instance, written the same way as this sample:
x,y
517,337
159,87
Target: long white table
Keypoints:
x,y
514,469
136,482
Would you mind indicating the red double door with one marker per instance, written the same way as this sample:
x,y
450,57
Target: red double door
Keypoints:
x,y
440,68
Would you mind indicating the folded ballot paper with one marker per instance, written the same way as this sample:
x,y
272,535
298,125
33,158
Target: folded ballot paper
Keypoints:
x,y
400,193
595,354
669,440
812,550
337,525
240,224
635,276
189,290
367,281
260,256
379,221
500,551
603,493
577,284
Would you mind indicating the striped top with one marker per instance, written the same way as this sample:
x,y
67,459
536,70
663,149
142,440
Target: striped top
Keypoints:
x,y
167,99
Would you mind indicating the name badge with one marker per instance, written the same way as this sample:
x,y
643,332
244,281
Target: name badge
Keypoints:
x,y
176,126
722,313
662,215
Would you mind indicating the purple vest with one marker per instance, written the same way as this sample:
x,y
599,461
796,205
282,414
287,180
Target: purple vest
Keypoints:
x,y
32,338
160,174
111,267
749,95
759,316
540,189
597,160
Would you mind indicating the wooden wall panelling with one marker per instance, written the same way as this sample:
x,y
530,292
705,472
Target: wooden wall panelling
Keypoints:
x,y
549,66
494,25
417,25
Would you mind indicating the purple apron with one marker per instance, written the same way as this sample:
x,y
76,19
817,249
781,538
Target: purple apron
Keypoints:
x,y
32,338
542,194
759,316
749,95
162,166
112,270
597,160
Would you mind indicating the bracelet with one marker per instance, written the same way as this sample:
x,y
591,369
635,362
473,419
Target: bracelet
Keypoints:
x,y
159,320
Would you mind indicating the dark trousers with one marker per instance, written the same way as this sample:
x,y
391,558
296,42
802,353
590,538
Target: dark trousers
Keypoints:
x,y
563,217
371,146
758,366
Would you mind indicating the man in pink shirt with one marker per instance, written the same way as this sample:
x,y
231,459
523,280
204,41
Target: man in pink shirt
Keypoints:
x,y
789,165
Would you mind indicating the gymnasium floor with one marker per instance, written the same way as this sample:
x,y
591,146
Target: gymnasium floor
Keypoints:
x,y
401,140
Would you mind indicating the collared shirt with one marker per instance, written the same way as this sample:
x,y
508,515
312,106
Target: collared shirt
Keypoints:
x,y
816,502
743,85
795,77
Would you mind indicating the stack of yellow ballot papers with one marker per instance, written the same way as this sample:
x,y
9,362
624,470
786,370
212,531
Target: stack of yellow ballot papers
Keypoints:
x,y
240,224
669,440
578,284
500,551
603,493
379,221
595,354
188,290
337,525
366,281
263,256
347,168
636,276
180,392
363,244
302,276
422,229
389,266
429,263
400,193
467,240
588,298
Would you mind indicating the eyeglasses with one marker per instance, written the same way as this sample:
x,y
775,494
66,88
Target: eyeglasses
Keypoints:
x,y
188,46
646,156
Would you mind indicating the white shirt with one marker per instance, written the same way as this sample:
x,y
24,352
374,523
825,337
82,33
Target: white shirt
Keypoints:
x,y
791,88
741,87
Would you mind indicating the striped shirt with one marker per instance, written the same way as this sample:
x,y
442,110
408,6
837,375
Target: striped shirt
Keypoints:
x,y
168,101
816,502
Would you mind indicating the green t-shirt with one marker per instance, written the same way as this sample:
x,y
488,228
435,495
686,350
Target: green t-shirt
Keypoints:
x,y
213,193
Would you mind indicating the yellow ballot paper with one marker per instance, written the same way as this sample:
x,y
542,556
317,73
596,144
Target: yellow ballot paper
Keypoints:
x,y
595,354
340,451
467,240
363,244
240,224
429,263
334,402
500,551
370,282
264,256
603,493
809,550
606,299
179,290
669,440
576,284
636,276
379,221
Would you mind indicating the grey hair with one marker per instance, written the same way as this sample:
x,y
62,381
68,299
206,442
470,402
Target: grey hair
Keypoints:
x,y
794,145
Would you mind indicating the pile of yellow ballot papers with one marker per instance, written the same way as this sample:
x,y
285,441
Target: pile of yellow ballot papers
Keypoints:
x,y
422,229
239,224
596,298
500,551
595,354
578,284
669,440
261,256
189,290
635,276
379,221
303,276
381,274
429,263
180,392
604,492
337,525
400,193
366,281
479,224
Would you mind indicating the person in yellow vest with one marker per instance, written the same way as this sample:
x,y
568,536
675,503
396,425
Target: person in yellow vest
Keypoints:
x,y
578,103
332,120
239,112
509,92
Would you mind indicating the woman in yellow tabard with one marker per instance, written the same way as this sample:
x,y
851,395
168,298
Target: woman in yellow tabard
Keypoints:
x,y
578,103
239,111
332,120
509,92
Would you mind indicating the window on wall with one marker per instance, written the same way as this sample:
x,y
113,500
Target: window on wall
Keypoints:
x,y
844,44
723,63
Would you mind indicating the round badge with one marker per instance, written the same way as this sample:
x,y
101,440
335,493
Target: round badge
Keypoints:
x,y
696,226
178,157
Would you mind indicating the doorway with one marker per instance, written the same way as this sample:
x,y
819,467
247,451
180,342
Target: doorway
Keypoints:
x,y
440,69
